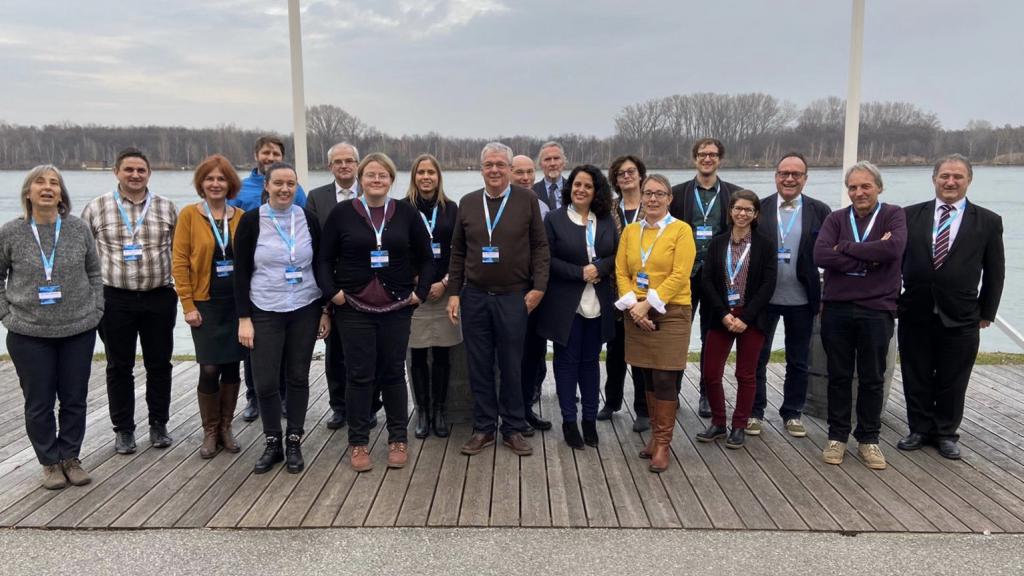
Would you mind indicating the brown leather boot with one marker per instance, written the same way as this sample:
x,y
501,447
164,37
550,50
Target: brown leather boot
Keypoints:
x,y
665,416
228,401
209,412
646,451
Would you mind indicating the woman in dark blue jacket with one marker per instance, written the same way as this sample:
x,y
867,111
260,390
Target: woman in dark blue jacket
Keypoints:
x,y
578,312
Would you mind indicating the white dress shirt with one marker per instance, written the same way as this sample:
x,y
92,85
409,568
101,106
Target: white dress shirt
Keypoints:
x,y
954,227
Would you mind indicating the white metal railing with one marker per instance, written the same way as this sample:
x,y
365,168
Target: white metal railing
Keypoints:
x,y
1010,331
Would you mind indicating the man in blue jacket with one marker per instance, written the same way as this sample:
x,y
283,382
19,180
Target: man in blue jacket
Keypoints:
x,y
267,150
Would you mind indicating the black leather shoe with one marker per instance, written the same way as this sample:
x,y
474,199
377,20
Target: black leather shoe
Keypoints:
x,y
293,454
703,408
605,413
337,420
712,433
440,423
590,433
158,437
571,433
124,442
272,454
948,448
252,410
736,438
529,431
536,421
912,441
422,423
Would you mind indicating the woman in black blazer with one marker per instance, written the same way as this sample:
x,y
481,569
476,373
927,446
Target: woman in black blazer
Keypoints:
x,y
578,312
738,282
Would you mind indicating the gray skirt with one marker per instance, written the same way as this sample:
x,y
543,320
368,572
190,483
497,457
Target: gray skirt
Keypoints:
x,y
216,340
431,326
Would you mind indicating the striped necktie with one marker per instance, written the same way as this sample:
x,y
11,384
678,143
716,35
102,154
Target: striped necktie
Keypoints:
x,y
942,239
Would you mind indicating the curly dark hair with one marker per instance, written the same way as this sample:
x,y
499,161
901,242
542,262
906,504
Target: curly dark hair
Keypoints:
x,y
641,169
601,205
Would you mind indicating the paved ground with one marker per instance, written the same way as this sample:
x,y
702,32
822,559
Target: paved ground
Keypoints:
x,y
425,552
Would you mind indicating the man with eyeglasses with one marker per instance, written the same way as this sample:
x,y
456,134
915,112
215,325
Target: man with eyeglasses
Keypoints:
x,y
702,203
795,218
552,162
497,276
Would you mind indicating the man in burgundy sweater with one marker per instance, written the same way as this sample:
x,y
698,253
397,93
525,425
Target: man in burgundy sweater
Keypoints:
x,y
861,249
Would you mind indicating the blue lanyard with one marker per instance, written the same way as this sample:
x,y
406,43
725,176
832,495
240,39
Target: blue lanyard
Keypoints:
x,y
645,255
871,224
936,229
734,272
487,214
789,227
47,262
288,239
622,204
432,223
222,240
379,234
132,230
700,203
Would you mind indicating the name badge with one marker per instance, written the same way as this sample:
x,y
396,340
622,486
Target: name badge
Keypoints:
x,y
490,254
734,297
860,274
293,275
378,258
704,232
49,295
642,280
132,252
435,247
224,268
785,255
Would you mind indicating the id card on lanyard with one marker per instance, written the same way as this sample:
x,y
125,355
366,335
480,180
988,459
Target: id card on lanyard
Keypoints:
x,y
435,247
379,257
733,294
49,293
643,281
704,230
132,251
224,266
490,253
292,273
786,254
867,232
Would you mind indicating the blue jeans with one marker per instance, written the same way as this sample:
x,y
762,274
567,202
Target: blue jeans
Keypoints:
x,y
799,323
578,363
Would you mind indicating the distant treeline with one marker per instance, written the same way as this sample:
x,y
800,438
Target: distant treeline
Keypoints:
x,y
755,128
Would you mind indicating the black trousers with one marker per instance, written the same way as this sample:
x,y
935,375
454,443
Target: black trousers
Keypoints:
x,y
495,325
799,325
535,362
147,317
250,380
334,366
50,370
288,338
375,346
858,338
936,362
705,320
615,371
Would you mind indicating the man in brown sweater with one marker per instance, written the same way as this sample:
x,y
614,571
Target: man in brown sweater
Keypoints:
x,y
498,274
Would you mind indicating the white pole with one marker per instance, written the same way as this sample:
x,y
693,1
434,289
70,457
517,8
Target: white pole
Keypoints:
x,y
298,93
852,135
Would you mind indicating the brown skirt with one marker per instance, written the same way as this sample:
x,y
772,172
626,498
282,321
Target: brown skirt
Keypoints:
x,y
666,347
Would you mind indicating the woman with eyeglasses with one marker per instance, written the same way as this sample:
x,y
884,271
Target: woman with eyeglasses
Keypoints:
x,y
378,265
738,282
578,311
652,270
280,309
625,175
432,334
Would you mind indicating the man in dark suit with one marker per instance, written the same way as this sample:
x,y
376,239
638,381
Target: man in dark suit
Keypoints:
x,y
552,163
952,246
342,160
795,219
702,203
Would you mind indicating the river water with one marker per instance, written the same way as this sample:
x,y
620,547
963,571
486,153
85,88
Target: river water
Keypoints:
x,y
997,188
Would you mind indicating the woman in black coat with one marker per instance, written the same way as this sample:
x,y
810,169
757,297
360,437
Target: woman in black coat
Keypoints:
x,y
738,282
578,312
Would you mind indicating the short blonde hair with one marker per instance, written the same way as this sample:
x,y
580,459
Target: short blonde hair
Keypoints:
x,y
380,158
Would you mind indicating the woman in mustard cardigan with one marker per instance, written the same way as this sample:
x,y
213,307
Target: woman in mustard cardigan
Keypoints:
x,y
652,270
203,270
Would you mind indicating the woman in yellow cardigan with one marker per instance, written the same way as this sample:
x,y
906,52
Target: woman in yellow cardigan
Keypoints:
x,y
652,270
203,268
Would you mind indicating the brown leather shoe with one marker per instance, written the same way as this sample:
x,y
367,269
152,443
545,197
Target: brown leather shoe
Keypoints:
x,y
209,413
662,422
646,451
477,442
359,457
517,444
75,474
228,401
398,454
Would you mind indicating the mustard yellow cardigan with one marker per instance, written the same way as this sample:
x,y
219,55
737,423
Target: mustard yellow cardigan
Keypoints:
x,y
668,267
192,254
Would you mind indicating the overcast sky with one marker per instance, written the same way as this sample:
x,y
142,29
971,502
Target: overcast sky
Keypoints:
x,y
492,67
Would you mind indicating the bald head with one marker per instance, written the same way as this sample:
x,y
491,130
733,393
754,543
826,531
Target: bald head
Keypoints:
x,y
522,171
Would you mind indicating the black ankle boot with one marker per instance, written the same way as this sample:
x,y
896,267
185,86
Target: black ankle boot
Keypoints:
x,y
440,371
293,453
422,422
272,454
440,422
571,433
420,376
712,433
590,432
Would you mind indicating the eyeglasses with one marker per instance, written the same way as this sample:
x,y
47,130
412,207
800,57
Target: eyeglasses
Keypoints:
x,y
626,172
709,155
344,162
377,176
742,210
659,194
493,165
786,175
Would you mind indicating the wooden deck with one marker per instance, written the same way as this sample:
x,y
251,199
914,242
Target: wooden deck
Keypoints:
x,y
775,483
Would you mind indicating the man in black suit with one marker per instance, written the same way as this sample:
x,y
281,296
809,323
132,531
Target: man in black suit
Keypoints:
x,y
702,203
952,246
552,163
795,218
342,160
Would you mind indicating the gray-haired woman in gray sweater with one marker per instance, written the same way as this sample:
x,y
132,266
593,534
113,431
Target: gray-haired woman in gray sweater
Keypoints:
x,y
51,299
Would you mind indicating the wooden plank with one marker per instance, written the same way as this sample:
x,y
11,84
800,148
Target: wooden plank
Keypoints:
x,y
451,480
394,489
419,496
314,480
564,492
629,507
476,493
505,483
534,501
